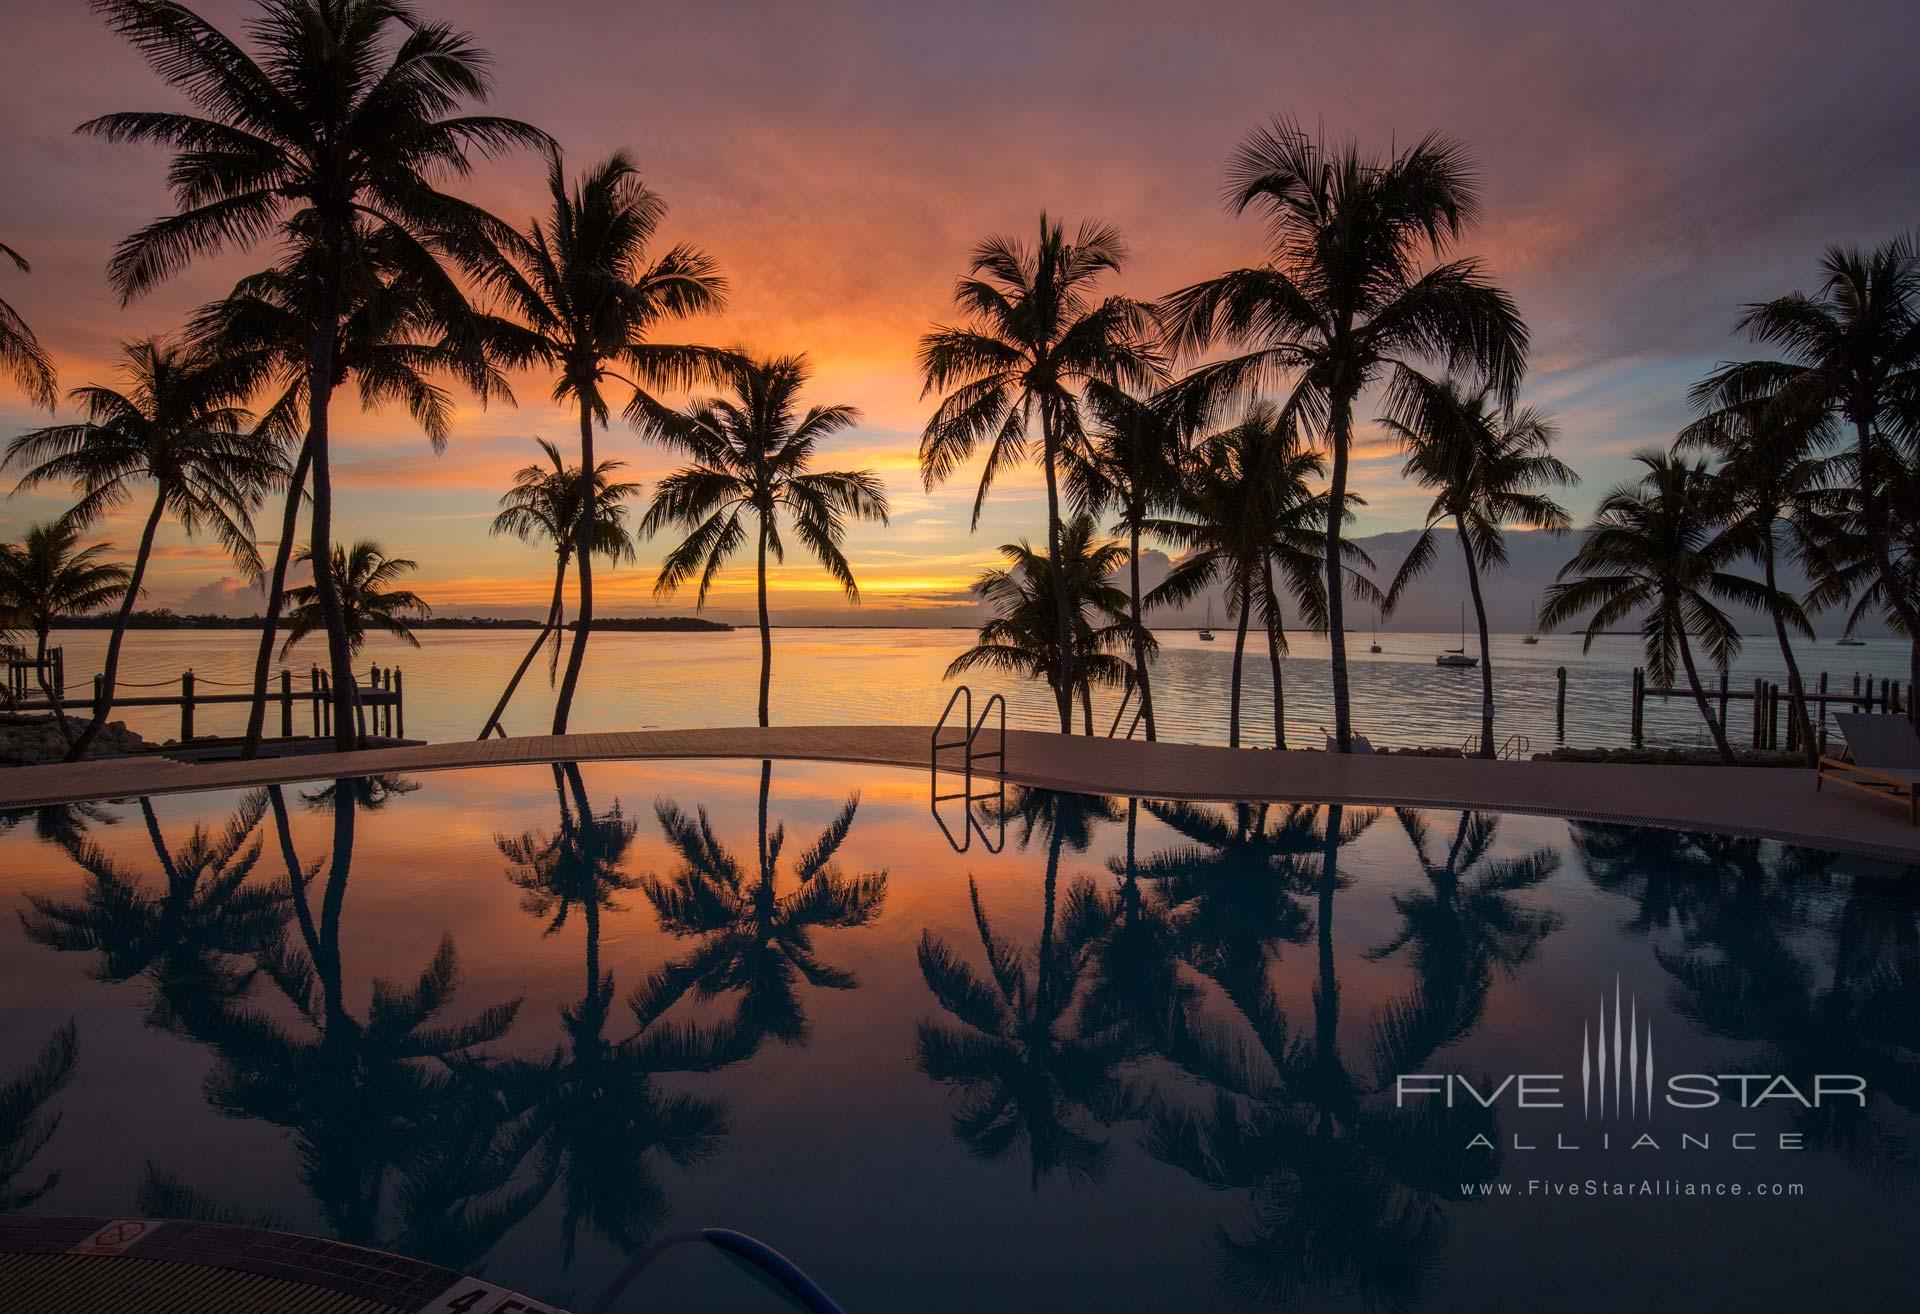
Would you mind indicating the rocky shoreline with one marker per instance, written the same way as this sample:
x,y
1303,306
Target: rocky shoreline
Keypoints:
x,y
31,740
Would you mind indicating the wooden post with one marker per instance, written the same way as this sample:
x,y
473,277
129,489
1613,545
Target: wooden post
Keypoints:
x,y
60,670
313,700
1639,704
1773,716
399,706
186,705
286,703
99,696
1560,705
1823,714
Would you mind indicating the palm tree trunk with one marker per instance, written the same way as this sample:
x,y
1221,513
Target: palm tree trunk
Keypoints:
x,y
1239,660
276,598
555,610
583,553
327,964
1139,627
1796,688
1086,708
1700,700
1057,569
1279,690
1486,647
320,542
111,671
1339,430
1326,991
40,635
766,630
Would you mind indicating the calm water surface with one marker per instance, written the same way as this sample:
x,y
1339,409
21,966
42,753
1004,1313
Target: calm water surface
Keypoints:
x,y
520,1020
851,676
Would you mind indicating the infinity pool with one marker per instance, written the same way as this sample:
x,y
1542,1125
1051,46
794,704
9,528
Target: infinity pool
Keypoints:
x,y
1147,1056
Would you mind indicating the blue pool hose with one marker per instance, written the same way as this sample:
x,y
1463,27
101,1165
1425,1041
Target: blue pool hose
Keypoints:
x,y
739,1246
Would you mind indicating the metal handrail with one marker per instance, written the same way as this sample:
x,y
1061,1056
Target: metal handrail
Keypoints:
x,y
999,754
962,692
963,698
1516,744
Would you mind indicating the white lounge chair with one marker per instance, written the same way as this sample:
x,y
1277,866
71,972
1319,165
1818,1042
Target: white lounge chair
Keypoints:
x,y
1883,759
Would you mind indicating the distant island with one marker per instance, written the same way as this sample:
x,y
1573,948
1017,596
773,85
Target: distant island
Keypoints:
x,y
163,618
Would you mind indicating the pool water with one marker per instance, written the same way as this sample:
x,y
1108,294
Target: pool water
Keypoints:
x,y
519,1021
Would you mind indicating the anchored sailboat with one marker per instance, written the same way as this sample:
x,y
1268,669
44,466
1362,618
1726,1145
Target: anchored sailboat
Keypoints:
x,y
1532,638
1458,656
1206,631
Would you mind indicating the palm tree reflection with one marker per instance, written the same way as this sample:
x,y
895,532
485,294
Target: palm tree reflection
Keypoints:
x,y
25,1124
755,941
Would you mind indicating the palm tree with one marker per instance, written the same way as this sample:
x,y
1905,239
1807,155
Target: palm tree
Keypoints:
x,y
753,938
1852,352
1248,513
544,506
1658,550
43,580
328,135
1778,482
1033,333
1021,637
591,296
25,1126
1352,289
20,352
361,576
1131,460
403,324
753,454
1489,467
178,428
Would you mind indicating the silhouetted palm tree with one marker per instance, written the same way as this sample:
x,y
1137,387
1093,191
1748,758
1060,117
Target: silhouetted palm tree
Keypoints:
x,y
1247,514
598,1116
1847,570
1132,460
1351,290
43,580
753,455
402,326
178,428
1778,484
1034,332
1021,637
591,296
361,576
20,351
543,506
25,1125
1657,550
755,940
1853,352
330,134
1489,467
190,940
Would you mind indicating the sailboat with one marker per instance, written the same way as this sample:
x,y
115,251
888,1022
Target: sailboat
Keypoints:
x,y
1848,641
1532,638
1376,631
1206,631
1458,656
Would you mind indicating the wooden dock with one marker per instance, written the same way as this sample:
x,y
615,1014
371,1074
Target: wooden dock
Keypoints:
x,y
1776,803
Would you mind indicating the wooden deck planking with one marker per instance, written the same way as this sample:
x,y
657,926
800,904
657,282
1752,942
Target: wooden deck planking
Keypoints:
x,y
1777,803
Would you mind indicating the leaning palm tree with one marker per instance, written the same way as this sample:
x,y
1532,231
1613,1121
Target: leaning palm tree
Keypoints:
x,y
1132,461
1248,513
1034,332
591,295
1489,466
1658,549
753,454
1853,352
543,506
1020,638
1357,283
327,135
1783,496
178,428
43,580
20,351
402,328
362,576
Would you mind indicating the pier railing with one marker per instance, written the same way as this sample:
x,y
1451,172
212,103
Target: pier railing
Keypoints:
x,y
1773,703
380,700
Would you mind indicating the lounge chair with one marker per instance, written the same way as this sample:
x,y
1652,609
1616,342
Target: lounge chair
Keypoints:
x,y
1883,759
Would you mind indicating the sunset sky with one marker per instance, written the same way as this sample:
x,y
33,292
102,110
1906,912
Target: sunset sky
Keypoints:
x,y
1647,169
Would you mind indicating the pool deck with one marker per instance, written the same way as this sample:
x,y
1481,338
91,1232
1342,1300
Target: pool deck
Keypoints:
x,y
1772,802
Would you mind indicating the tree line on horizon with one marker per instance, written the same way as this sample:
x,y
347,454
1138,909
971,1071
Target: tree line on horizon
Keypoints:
x,y
1217,420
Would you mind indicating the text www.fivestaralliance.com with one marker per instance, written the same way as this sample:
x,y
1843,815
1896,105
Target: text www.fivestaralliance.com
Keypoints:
x,y
1638,1188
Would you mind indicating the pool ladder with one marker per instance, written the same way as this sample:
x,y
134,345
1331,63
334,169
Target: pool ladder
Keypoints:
x,y
1510,750
971,753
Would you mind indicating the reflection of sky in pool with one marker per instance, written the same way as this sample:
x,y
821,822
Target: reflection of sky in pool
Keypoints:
x,y
518,1020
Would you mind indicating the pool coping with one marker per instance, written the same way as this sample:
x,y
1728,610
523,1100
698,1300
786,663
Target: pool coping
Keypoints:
x,y
1773,803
